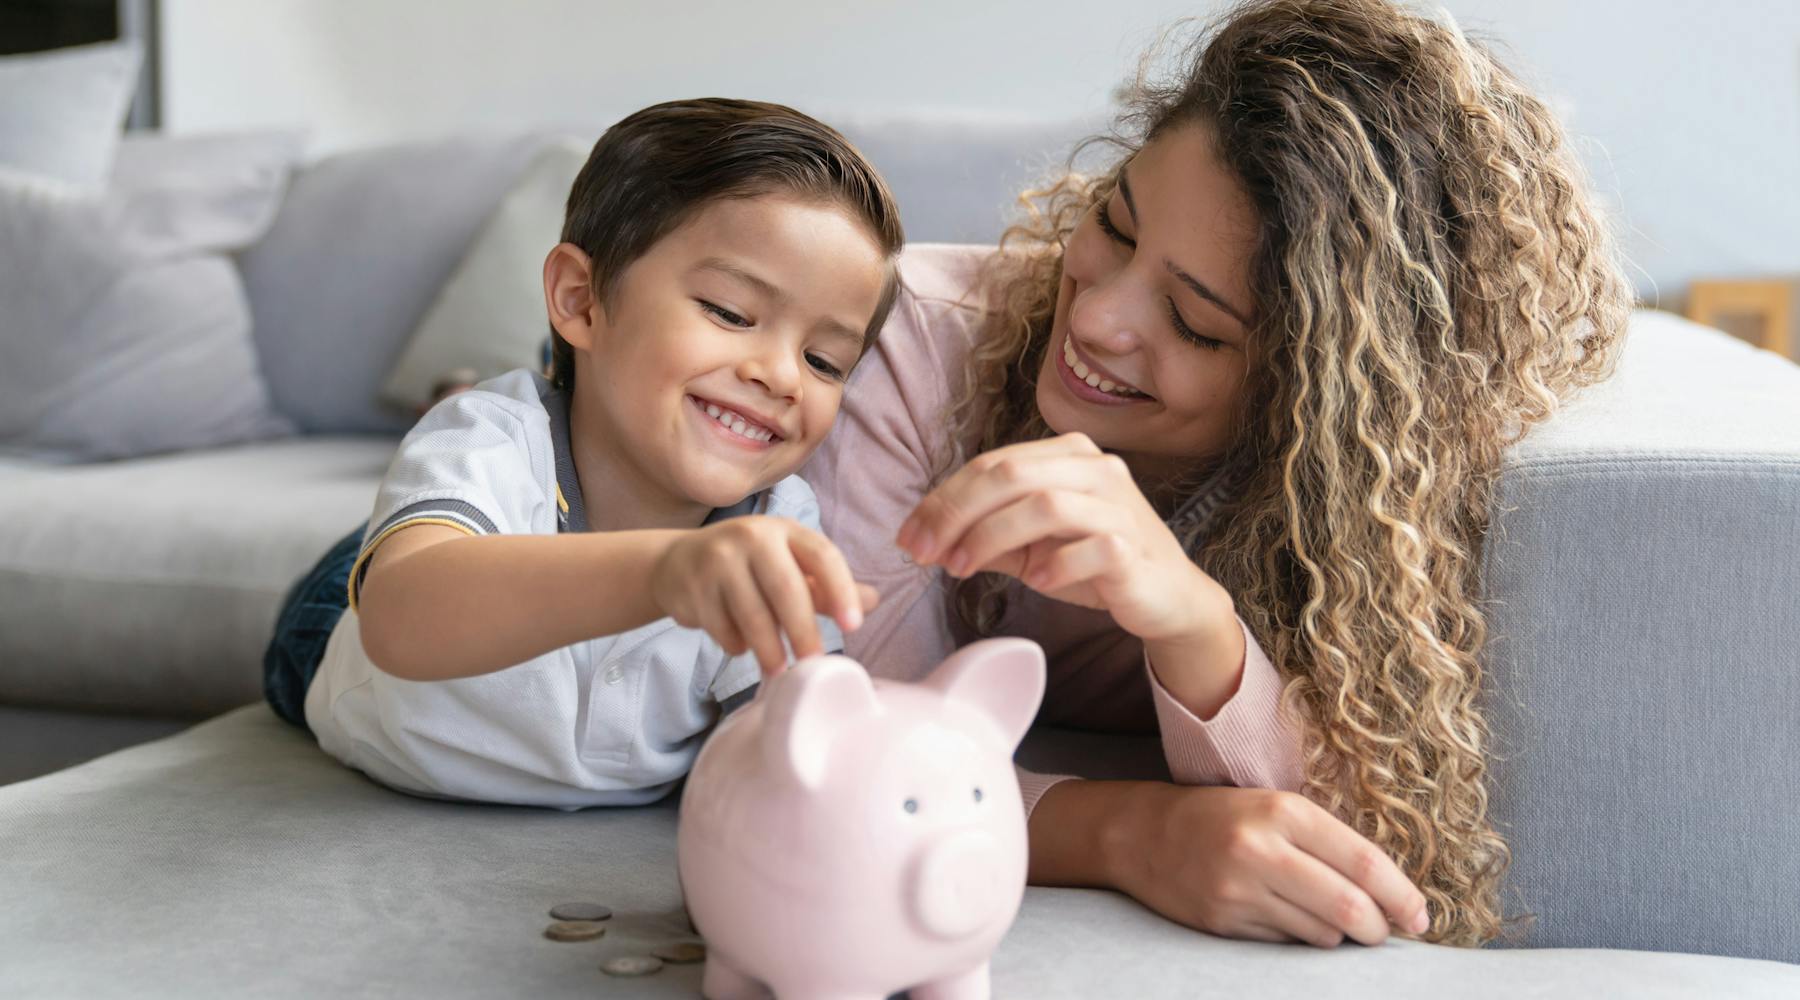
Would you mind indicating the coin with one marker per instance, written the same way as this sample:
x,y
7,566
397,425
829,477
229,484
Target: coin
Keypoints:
x,y
580,911
681,952
575,930
631,965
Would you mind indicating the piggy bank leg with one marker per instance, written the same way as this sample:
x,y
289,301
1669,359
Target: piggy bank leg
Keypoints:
x,y
970,985
722,982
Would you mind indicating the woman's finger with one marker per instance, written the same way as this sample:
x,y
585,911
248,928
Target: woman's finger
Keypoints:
x,y
1298,924
1353,856
1328,895
784,592
1259,932
1041,514
830,573
744,602
1082,561
992,481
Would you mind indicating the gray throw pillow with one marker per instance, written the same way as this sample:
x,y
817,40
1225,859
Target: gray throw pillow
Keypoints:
x,y
125,329
60,111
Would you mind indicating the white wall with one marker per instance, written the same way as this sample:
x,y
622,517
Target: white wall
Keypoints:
x,y
1692,107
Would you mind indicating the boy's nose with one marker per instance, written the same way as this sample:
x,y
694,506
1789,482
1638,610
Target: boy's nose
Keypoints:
x,y
778,375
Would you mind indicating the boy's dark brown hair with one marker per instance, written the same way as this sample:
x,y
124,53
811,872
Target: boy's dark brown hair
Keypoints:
x,y
653,170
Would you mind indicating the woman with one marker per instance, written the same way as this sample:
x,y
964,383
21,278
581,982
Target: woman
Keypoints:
x,y
1267,366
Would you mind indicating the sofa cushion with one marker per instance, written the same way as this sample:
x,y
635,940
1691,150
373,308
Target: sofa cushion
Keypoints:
x,y
361,247
60,111
151,586
126,330
236,858
489,317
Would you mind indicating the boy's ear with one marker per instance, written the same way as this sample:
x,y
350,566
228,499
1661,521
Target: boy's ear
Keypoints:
x,y
569,294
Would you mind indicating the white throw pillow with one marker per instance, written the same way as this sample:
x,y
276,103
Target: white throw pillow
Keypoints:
x,y
60,111
126,330
489,317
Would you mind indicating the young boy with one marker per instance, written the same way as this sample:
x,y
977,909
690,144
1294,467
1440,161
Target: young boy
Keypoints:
x,y
564,579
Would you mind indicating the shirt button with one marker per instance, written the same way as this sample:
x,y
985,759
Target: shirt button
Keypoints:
x,y
614,675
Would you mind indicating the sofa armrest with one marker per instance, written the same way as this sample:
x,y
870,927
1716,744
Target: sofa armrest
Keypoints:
x,y
1644,665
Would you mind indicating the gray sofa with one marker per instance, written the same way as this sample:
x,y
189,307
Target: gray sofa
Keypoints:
x,y
1645,586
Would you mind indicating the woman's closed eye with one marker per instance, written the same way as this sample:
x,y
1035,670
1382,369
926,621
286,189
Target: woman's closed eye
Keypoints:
x,y
723,314
1104,217
1182,329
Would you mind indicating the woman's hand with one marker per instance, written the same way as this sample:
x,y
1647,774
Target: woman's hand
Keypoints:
x,y
1069,521
1259,864
749,580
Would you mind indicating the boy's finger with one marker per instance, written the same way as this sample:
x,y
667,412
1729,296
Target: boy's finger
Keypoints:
x,y
744,601
784,590
822,561
869,596
716,622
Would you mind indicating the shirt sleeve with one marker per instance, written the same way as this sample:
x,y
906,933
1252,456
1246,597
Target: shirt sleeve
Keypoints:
x,y
467,465
1249,742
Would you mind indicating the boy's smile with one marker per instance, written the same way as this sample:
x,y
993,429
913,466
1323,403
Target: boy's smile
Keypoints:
x,y
716,363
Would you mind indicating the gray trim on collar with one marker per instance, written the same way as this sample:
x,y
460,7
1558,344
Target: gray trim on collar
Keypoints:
x,y
556,403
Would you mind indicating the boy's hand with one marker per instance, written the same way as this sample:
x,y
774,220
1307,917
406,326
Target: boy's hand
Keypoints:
x,y
749,580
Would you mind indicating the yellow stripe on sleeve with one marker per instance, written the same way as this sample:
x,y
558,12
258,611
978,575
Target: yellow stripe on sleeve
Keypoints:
x,y
356,568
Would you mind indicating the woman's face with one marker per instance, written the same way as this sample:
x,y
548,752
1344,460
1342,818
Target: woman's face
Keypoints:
x,y
1147,347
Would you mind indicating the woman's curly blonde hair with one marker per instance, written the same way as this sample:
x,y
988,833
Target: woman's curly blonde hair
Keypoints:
x,y
1430,277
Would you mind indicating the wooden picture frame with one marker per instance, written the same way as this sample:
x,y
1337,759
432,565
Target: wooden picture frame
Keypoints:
x,y
1760,311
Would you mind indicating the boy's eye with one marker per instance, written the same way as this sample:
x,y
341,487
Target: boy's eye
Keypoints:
x,y
724,314
824,366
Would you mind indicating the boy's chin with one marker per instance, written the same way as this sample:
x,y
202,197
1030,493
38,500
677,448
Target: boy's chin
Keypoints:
x,y
721,489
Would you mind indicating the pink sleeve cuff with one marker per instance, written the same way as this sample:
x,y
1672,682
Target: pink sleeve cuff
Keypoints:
x,y
1032,786
1250,743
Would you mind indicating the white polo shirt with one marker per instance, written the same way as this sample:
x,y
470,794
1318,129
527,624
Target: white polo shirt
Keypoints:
x,y
615,720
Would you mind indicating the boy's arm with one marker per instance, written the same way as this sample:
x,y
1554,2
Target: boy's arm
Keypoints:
x,y
437,603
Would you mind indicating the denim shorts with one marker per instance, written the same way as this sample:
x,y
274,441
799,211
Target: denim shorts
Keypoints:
x,y
308,615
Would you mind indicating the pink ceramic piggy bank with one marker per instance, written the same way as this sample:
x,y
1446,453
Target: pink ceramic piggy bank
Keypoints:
x,y
845,837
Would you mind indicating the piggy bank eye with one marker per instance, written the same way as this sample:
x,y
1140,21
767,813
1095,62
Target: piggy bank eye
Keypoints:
x,y
978,793
912,805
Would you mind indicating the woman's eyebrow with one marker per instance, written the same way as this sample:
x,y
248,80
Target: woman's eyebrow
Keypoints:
x,y
1185,278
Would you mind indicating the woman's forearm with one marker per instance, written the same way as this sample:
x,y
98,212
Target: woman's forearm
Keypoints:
x,y
1203,670
1079,833
469,606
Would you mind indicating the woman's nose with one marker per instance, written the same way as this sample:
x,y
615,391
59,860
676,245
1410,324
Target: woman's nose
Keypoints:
x,y
1109,315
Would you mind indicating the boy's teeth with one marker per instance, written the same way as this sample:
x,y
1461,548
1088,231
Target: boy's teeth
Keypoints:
x,y
737,424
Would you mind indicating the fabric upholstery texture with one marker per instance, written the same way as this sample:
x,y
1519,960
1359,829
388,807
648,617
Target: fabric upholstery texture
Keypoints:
x,y
236,859
60,111
490,315
1644,673
126,331
363,243
151,586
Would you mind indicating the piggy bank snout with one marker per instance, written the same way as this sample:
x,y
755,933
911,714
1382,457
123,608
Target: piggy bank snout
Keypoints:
x,y
960,884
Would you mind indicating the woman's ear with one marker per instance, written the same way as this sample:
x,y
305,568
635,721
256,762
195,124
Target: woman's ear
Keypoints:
x,y
569,294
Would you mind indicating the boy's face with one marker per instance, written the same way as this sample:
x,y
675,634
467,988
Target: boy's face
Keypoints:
x,y
716,364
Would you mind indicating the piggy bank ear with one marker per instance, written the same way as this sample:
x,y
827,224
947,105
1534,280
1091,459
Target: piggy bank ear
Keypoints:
x,y
1004,678
807,706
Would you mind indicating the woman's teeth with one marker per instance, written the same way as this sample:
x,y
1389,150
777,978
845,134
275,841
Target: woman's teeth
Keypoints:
x,y
736,424
1093,378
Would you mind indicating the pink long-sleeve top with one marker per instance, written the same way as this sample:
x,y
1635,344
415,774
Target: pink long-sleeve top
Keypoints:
x,y
878,463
